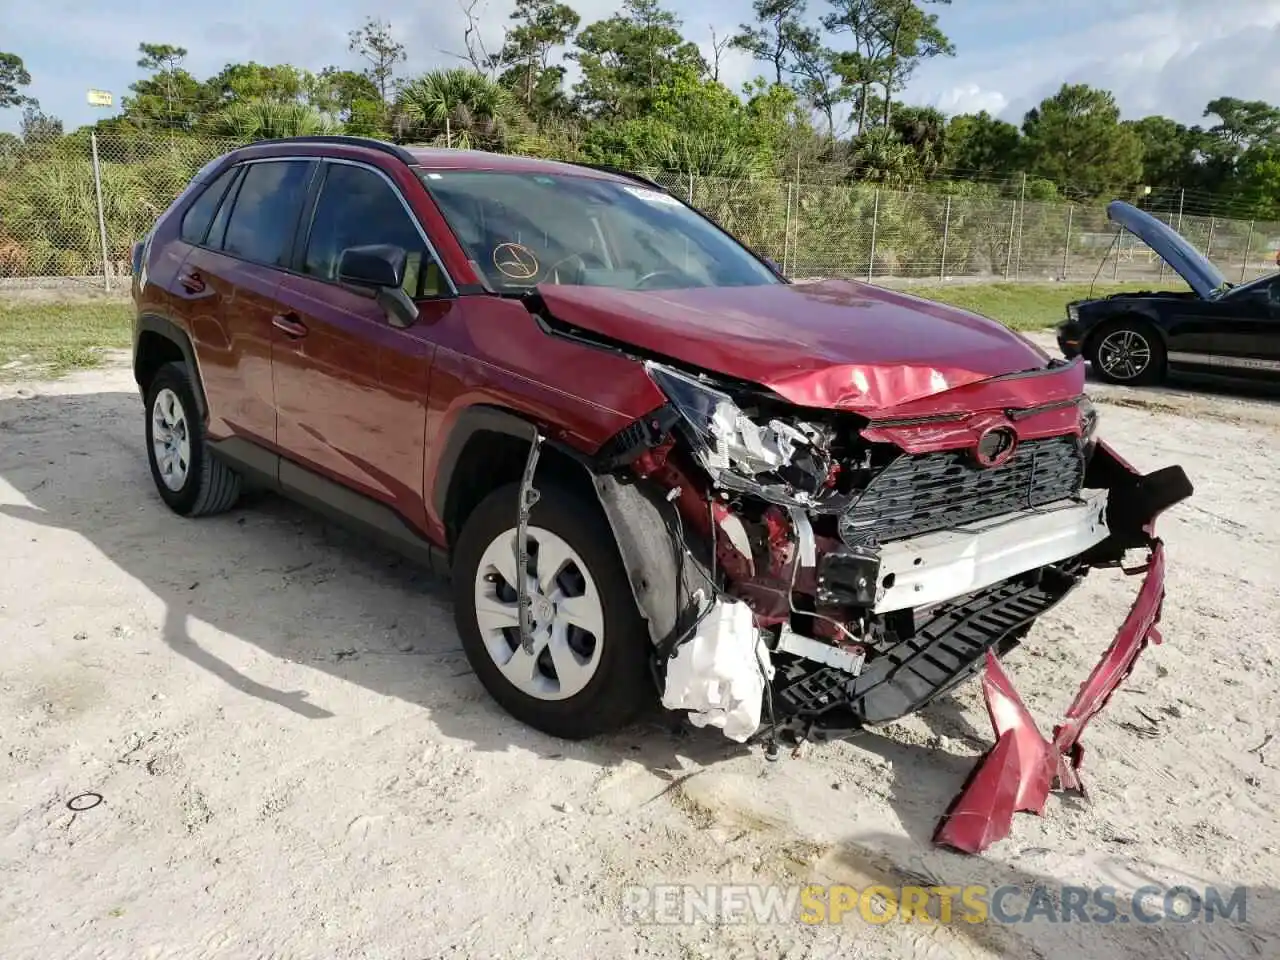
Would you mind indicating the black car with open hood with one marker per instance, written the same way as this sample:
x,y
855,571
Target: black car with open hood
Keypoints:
x,y
1216,327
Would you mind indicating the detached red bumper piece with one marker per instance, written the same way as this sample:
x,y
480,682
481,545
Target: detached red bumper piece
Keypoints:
x,y
1017,774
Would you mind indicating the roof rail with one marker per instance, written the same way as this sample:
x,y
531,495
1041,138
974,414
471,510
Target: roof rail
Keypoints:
x,y
371,143
620,172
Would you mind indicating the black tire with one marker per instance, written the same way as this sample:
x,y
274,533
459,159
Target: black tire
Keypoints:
x,y
210,486
1150,375
622,686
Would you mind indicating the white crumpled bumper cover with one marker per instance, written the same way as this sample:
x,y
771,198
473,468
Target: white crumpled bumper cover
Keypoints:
x,y
940,566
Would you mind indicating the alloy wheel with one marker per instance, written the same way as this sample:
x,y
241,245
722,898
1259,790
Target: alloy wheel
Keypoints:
x,y
170,439
1124,354
566,612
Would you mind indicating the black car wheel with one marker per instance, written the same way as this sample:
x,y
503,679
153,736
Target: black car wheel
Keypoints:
x,y
1127,352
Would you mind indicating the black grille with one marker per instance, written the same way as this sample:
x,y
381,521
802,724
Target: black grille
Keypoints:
x,y
922,493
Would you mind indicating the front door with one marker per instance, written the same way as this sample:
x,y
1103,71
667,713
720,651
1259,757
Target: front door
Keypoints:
x,y
1235,335
351,389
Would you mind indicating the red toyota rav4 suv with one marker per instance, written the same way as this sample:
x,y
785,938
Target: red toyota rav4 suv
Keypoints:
x,y
734,493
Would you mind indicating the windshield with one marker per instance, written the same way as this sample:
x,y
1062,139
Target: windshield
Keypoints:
x,y
523,229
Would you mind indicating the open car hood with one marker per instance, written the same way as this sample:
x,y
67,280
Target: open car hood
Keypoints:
x,y
834,344
1189,263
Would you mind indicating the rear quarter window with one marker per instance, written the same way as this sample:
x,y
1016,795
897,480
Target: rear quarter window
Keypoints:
x,y
195,222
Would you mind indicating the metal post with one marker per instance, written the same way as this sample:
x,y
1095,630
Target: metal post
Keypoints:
x,y
102,220
786,231
946,234
1208,247
1244,267
1022,212
1161,259
1066,249
875,223
691,188
1115,270
1008,258
1182,199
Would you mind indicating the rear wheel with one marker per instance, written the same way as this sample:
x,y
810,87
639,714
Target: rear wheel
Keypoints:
x,y
1129,352
188,477
586,670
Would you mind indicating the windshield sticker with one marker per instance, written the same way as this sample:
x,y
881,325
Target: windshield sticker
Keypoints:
x,y
515,260
653,196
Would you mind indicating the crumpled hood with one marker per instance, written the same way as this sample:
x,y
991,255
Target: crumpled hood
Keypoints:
x,y
836,344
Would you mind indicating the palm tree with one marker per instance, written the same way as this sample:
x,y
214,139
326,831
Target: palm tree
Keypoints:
x,y
458,108
267,119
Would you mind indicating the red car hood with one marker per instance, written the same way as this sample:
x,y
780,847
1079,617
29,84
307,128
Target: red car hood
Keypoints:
x,y
836,344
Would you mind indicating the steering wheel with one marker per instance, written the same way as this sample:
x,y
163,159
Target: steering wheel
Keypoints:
x,y
640,284
583,266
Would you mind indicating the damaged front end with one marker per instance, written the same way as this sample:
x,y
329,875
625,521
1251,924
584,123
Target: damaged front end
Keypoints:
x,y
835,570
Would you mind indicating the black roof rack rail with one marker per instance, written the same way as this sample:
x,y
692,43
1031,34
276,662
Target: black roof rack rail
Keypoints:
x,y
400,153
621,172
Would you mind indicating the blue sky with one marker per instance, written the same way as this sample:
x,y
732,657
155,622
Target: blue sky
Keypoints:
x,y
1166,56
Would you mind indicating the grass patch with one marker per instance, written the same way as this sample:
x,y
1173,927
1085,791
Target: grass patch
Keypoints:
x,y
1025,306
51,339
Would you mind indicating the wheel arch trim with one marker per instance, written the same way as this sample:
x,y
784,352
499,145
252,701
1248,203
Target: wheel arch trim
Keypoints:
x,y
639,518
170,330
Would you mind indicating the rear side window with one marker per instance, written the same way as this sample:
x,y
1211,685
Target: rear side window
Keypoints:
x,y
357,207
195,222
265,216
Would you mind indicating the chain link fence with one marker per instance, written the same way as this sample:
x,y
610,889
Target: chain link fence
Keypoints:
x,y
73,209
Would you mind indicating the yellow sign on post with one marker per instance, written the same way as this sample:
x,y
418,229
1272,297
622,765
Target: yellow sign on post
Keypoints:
x,y
100,98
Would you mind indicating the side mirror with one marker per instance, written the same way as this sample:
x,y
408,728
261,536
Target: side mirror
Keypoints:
x,y
379,269
773,265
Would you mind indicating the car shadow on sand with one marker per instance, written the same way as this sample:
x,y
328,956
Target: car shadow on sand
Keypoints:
x,y
280,578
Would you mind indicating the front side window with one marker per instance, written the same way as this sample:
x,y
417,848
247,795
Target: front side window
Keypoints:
x,y
523,229
267,207
357,208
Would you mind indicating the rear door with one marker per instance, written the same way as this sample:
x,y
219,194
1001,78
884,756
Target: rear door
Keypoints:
x,y
351,390
235,271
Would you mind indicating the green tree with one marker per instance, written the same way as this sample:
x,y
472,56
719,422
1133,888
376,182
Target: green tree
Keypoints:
x,y
923,131
1244,123
13,77
170,97
541,27
375,43
458,107
1169,151
979,146
350,96
38,127
626,58
1258,181
1075,138
282,83
776,37
910,36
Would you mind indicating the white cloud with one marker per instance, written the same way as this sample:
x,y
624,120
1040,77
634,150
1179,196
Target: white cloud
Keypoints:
x,y
1169,57
970,98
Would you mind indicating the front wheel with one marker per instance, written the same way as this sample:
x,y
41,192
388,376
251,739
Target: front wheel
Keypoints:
x,y
586,669
1128,352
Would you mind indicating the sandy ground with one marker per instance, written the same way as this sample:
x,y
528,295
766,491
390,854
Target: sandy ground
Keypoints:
x,y
295,761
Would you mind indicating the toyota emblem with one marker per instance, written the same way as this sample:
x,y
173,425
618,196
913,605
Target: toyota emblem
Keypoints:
x,y
995,447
